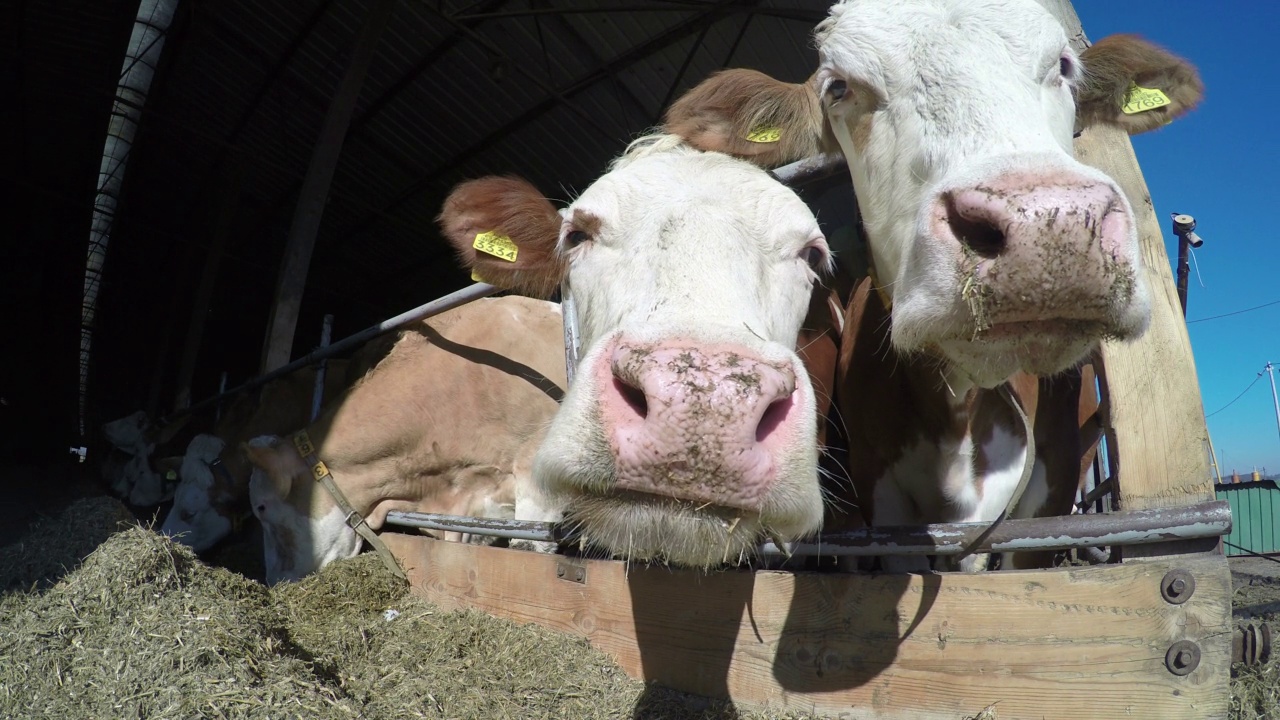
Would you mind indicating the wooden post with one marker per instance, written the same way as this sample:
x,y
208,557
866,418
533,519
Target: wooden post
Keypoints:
x,y
1156,431
225,208
292,280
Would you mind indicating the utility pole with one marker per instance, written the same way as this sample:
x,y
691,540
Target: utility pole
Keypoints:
x,y
1184,226
1271,374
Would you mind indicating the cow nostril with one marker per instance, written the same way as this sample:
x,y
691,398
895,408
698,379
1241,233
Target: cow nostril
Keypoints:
x,y
774,415
634,396
976,233
262,508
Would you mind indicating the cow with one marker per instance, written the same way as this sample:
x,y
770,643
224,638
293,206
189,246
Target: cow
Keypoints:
x,y
994,252
446,423
689,431
129,468
212,495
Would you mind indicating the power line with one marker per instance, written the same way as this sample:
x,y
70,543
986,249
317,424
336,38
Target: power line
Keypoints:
x,y
1224,407
1215,317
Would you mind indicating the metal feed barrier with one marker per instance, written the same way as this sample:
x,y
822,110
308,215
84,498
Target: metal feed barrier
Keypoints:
x,y
1069,532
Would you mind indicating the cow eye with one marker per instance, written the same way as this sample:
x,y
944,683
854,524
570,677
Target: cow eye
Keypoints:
x,y
837,89
576,238
814,257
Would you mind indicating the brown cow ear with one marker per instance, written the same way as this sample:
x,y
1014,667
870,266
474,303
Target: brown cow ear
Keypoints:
x,y
276,458
750,115
505,232
1135,85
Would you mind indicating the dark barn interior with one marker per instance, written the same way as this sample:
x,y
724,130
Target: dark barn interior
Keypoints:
x,y
233,115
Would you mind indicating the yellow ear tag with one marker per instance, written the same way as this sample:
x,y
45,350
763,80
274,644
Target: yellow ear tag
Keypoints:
x,y
765,134
170,475
1140,99
499,246
475,277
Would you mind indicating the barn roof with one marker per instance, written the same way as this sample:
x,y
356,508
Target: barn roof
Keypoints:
x,y
549,89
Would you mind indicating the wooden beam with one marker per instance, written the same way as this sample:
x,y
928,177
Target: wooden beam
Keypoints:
x,y
292,280
1074,643
225,209
1157,431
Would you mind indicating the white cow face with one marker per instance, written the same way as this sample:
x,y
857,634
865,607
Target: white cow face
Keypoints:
x,y
302,529
131,433
690,427
997,249
201,514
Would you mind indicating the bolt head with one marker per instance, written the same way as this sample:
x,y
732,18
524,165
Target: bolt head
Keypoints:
x,y
1178,586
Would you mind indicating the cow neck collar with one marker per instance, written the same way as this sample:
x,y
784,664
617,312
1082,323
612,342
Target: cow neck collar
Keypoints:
x,y
354,520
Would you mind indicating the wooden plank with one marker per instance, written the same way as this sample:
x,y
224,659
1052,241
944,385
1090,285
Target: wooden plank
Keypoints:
x,y
1068,643
1158,434
292,280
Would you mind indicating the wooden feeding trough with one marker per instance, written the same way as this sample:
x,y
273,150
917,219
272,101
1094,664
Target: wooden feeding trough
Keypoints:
x,y
1149,636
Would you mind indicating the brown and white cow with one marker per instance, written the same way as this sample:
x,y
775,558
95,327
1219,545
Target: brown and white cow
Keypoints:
x,y
129,467
213,491
446,423
689,430
996,251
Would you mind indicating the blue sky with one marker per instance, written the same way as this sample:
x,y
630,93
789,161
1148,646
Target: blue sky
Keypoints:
x,y
1220,164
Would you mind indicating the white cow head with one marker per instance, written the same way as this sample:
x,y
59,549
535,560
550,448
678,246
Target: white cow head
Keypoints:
x,y
996,248
690,427
302,527
203,501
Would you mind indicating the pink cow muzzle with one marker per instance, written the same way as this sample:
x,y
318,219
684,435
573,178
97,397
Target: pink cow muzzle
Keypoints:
x,y
703,423
1039,251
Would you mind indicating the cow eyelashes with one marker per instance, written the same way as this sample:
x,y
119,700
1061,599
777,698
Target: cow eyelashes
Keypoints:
x,y
574,238
814,257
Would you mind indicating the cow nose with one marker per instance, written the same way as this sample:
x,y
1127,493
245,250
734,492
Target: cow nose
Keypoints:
x,y
977,220
745,396
700,422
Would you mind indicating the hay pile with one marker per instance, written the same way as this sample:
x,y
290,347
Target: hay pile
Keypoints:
x,y
53,546
144,629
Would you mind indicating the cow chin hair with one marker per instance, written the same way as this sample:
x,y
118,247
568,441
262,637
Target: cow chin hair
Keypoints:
x,y
666,531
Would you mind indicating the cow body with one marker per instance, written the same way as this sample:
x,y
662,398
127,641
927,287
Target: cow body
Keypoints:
x,y
690,429
446,423
996,256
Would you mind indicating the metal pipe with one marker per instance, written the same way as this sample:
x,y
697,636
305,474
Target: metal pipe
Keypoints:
x,y
569,311
1138,527
222,388
435,307
810,169
1274,399
317,396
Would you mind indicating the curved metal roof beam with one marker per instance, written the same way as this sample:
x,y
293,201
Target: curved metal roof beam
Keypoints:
x,y
142,56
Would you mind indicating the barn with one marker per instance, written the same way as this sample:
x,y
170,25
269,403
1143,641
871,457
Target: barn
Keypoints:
x,y
207,191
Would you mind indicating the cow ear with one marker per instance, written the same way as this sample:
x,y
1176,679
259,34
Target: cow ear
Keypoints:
x,y
505,232
276,458
752,116
1135,85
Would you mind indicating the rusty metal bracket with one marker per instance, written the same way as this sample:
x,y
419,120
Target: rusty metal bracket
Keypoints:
x,y
1177,586
571,572
1182,658
1251,644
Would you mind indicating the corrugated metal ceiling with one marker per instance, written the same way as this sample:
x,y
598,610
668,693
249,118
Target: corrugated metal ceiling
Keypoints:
x,y
548,90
